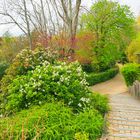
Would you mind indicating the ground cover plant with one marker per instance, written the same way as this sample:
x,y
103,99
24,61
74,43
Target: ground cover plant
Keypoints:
x,y
52,121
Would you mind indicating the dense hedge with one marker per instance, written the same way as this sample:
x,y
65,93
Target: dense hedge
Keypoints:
x,y
3,67
93,78
131,73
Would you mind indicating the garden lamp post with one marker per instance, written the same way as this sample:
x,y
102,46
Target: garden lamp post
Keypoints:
x,y
138,56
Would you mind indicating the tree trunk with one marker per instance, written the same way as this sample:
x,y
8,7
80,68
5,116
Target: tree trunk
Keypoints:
x,y
28,24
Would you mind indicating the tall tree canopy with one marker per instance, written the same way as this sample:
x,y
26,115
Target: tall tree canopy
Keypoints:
x,y
112,24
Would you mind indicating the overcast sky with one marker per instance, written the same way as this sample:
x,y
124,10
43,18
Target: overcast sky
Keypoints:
x,y
133,4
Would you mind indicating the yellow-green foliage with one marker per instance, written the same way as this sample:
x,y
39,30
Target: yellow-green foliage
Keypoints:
x,y
9,48
81,136
133,49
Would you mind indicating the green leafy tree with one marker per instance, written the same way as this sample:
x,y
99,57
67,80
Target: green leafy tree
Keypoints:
x,y
133,49
113,27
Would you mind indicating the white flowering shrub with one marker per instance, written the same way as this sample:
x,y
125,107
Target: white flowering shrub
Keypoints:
x,y
25,61
58,82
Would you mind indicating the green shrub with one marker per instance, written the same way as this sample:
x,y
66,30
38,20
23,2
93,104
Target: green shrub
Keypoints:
x,y
3,67
87,68
53,121
60,81
91,67
26,61
93,78
131,73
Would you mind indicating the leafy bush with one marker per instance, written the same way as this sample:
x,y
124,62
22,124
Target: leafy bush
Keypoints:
x,y
131,73
91,67
61,81
87,67
3,67
26,61
94,78
52,121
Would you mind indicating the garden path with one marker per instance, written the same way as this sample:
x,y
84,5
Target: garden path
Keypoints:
x,y
124,117
113,86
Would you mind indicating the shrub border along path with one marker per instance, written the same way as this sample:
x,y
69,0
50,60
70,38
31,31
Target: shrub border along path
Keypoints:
x,y
124,116
93,78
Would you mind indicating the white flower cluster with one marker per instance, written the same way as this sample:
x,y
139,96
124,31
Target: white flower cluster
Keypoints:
x,y
87,100
64,79
84,82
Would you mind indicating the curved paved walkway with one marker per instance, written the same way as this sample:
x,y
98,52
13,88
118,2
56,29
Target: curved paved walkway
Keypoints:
x,y
124,117
113,86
